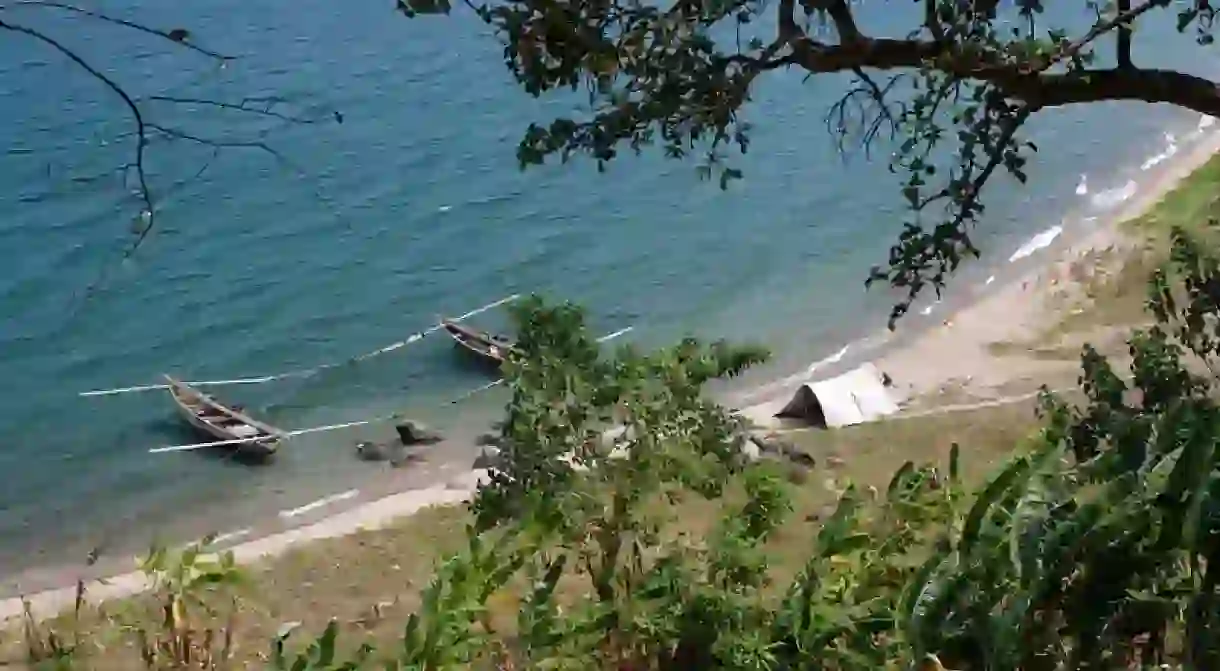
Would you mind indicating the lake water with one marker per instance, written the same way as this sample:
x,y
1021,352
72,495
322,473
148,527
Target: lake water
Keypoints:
x,y
369,229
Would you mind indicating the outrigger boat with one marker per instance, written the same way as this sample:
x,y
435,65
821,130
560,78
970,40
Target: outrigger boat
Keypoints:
x,y
491,348
223,422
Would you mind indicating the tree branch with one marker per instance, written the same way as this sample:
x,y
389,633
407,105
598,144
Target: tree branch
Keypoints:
x,y
869,102
247,105
1150,86
128,101
840,13
178,36
662,77
1122,18
931,20
1039,90
1124,35
144,128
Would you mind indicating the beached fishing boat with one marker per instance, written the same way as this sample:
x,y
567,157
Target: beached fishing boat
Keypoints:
x,y
491,348
224,422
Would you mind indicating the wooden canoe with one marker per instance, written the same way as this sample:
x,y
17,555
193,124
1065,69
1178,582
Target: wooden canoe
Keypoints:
x,y
217,420
491,348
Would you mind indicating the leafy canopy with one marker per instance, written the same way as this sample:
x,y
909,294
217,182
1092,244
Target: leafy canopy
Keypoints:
x,y
956,86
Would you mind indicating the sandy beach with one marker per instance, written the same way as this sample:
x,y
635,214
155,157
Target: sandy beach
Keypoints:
x,y
954,355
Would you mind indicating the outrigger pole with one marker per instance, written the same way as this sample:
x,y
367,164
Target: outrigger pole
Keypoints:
x,y
413,338
345,425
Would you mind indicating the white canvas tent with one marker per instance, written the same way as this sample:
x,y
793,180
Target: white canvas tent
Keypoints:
x,y
855,397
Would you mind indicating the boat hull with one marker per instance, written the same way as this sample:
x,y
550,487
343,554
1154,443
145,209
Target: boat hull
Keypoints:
x,y
213,419
486,348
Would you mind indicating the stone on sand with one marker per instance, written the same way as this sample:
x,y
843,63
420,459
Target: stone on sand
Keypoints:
x,y
394,453
489,457
411,432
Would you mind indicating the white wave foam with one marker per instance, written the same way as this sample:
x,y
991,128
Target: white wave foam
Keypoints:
x,y
796,378
833,358
1083,187
444,208
324,501
232,535
1171,148
1113,197
220,538
769,388
1039,241
1205,122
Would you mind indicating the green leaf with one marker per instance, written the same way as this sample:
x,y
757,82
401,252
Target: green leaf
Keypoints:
x,y
995,491
326,644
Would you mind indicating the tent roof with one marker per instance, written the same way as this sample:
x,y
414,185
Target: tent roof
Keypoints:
x,y
855,397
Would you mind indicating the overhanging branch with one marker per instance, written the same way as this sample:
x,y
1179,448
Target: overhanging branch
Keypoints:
x,y
1016,79
1038,90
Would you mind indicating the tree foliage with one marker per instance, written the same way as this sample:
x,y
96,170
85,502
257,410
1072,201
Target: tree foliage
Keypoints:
x,y
1095,546
956,86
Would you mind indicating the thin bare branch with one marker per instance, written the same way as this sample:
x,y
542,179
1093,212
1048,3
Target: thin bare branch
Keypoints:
x,y
1103,27
866,107
178,36
176,133
128,101
248,105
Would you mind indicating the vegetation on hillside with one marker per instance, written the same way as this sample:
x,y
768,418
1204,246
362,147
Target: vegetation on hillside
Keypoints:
x,y
1094,546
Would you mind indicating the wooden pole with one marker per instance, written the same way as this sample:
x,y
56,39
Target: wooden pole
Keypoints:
x,y
413,338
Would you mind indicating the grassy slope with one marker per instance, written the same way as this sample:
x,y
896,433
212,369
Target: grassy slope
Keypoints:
x,y
369,580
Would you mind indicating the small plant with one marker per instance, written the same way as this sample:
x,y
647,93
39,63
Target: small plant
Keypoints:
x,y
181,637
47,648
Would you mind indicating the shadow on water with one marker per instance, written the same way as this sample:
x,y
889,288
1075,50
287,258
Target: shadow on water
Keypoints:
x,y
220,454
470,362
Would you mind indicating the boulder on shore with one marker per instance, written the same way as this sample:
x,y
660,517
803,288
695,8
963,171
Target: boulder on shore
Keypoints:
x,y
396,454
371,451
488,439
774,445
489,457
411,432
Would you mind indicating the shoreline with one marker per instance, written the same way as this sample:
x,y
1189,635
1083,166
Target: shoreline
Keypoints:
x,y
921,361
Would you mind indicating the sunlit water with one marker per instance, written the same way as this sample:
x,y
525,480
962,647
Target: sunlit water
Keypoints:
x,y
411,208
